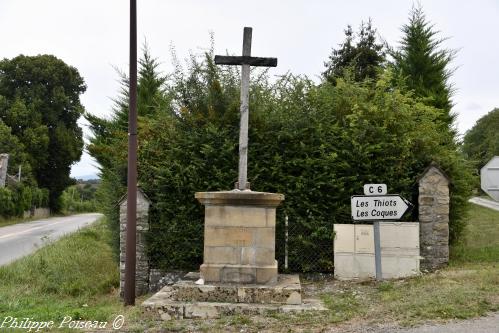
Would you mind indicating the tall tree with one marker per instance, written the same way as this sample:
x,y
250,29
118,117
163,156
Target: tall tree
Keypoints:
x,y
360,53
41,103
424,64
481,142
109,141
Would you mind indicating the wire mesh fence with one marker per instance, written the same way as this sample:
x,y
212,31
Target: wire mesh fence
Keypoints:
x,y
302,247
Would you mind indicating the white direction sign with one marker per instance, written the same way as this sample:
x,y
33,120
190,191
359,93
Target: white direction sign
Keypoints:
x,y
489,178
379,207
375,189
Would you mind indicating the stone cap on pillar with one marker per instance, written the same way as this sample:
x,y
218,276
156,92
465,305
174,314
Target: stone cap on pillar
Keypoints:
x,y
240,198
141,198
433,168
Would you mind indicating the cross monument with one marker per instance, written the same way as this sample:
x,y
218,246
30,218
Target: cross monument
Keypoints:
x,y
246,60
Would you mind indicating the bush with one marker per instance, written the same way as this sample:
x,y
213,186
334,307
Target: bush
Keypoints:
x,y
79,199
18,199
316,144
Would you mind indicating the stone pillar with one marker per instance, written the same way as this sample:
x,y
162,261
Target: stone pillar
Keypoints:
x,y
4,162
434,218
142,261
239,237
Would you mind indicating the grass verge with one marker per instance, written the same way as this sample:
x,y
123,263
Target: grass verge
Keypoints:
x,y
78,277
74,277
468,288
12,220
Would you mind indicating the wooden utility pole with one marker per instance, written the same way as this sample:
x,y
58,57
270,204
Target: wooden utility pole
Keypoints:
x,y
131,226
246,61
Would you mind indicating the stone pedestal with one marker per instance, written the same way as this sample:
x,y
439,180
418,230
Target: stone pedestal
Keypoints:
x,y
239,237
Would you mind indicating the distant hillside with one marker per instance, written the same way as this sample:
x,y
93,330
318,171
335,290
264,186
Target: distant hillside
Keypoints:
x,y
87,177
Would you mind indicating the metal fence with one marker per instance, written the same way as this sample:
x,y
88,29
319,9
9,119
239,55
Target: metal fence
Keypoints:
x,y
302,248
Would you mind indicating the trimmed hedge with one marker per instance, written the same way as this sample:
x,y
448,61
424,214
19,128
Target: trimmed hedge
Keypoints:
x,y
316,144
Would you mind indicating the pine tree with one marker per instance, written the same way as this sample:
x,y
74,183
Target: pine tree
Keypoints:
x,y
362,56
424,64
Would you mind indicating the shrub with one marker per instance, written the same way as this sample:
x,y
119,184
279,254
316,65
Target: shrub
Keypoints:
x,y
316,144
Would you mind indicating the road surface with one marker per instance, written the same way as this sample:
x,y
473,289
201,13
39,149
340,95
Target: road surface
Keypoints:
x,y
485,203
21,239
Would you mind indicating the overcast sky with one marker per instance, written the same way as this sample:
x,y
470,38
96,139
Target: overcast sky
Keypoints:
x,y
92,35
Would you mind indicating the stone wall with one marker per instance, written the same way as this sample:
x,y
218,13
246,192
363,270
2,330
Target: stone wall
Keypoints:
x,y
434,218
4,162
142,261
159,278
37,213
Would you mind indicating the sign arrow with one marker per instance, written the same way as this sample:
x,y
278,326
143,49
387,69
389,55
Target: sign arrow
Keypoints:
x,y
378,207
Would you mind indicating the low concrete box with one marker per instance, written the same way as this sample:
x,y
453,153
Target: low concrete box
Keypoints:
x,y
354,250
239,236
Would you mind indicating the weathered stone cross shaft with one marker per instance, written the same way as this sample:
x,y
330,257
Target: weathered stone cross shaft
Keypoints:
x,y
246,61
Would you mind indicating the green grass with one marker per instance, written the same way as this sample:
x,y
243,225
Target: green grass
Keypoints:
x,y
75,276
12,220
78,277
481,243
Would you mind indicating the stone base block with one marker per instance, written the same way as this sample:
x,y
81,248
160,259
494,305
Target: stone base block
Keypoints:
x,y
188,300
240,274
287,290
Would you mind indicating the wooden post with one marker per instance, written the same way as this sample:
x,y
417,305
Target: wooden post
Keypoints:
x,y
129,296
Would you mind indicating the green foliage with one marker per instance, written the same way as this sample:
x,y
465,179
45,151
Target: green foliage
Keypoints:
x,y
75,276
109,144
481,142
424,65
79,198
15,201
361,58
39,101
316,144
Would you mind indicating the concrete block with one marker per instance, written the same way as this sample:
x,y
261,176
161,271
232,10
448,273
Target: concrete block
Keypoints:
x,y
239,274
210,273
397,266
257,256
344,266
228,236
235,216
264,237
364,239
267,275
364,265
344,238
399,235
270,217
239,235
222,254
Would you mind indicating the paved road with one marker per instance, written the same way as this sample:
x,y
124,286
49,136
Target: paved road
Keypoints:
x,y
21,239
485,203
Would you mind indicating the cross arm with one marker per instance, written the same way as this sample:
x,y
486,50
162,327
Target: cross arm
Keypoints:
x,y
245,60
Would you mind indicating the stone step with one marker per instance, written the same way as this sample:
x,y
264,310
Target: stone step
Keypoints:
x,y
287,290
167,308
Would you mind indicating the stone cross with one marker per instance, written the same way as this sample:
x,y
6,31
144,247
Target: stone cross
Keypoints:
x,y
246,60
